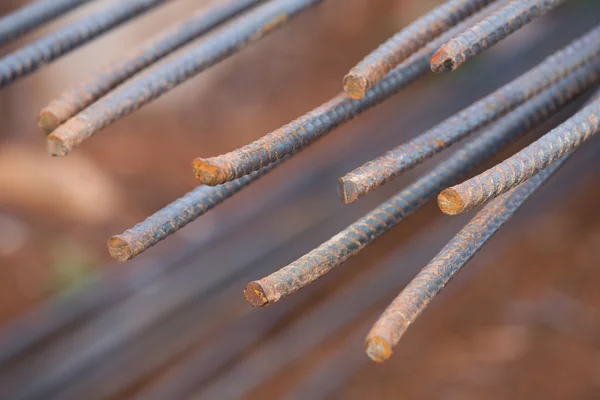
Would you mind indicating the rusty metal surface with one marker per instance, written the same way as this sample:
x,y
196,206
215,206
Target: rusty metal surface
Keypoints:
x,y
399,47
111,75
523,165
357,236
303,131
488,32
417,295
176,215
178,326
47,49
344,307
385,168
140,91
29,17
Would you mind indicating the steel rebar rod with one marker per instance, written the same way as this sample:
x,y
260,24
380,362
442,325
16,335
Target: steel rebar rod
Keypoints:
x,y
524,164
33,15
109,288
35,55
55,314
300,133
404,43
417,295
385,168
139,91
109,76
345,306
56,366
357,236
488,32
176,215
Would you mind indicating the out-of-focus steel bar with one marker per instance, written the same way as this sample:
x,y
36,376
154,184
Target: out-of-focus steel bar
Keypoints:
x,y
357,236
383,169
488,32
57,367
101,82
417,295
134,94
362,295
404,43
33,15
176,215
332,375
298,134
35,55
523,165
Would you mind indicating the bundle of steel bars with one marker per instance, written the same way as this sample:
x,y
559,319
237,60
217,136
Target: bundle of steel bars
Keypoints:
x,y
178,327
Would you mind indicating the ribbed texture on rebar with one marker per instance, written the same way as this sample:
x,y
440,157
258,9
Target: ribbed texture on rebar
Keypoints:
x,y
526,163
142,90
411,302
32,57
102,81
34,15
383,169
400,46
357,236
488,32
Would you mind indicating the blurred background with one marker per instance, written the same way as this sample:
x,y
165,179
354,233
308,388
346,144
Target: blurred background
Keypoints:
x,y
522,320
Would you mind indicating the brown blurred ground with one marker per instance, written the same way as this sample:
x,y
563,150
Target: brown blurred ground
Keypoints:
x,y
491,337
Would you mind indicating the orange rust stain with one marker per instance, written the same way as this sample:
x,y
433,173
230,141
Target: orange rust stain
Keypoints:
x,y
205,172
450,202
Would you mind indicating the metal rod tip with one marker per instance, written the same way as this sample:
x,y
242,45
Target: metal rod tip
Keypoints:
x,y
207,173
450,202
442,61
356,86
378,349
56,146
255,295
119,249
347,190
48,121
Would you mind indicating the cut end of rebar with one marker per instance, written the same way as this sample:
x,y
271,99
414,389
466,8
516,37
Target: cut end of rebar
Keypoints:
x,y
442,61
119,249
347,190
207,173
255,295
356,86
451,202
57,147
378,349
48,121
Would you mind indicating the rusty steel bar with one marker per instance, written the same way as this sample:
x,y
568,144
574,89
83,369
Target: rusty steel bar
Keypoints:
x,y
363,232
385,168
35,55
298,134
523,165
33,15
399,47
60,366
176,215
362,295
417,295
488,32
140,91
109,76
